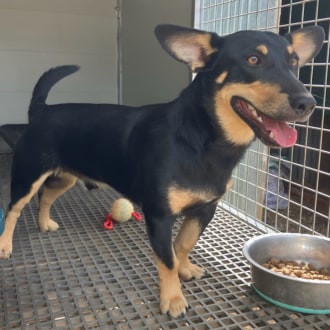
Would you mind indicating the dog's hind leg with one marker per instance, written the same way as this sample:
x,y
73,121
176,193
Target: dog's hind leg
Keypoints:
x,y
53,187
21,195
186,239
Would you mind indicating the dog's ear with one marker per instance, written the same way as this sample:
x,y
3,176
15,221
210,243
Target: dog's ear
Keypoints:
x,y
193,47
306,42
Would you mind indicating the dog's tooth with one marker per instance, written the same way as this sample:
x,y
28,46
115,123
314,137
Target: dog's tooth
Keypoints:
x,y
271,135
254,112
260,119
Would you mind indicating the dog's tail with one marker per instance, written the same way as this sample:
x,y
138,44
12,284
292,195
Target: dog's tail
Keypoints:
x,y
45,83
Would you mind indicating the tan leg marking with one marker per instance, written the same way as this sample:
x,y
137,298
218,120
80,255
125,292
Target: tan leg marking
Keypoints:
x,y
48,197
184,243
6,239
172,299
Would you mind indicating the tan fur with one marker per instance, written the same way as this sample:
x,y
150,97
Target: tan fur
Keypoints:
x,y
171,297
299,42
290,49
235,129
183,49
222,77
6,239
184,243
264,97
179,198
229,184
262,49
48,197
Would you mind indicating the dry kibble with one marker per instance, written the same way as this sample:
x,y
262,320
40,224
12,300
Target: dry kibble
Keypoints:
x,y
298,272
274,261
286,271
324,271
311,267
275,269
297,269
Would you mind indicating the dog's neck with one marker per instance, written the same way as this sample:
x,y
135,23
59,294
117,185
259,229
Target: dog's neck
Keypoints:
x,y
200,139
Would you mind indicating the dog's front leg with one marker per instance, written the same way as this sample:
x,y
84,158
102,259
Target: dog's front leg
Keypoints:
x,y
187,237
172,300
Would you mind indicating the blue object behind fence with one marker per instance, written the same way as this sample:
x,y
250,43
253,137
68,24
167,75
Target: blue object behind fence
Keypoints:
x,y
2,220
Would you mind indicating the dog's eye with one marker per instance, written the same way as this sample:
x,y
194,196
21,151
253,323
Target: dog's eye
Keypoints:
x,y
253,60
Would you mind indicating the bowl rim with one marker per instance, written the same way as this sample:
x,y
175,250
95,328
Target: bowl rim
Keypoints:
x,y
254,239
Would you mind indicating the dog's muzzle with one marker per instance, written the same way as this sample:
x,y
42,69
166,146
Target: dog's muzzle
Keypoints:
x,y
303,104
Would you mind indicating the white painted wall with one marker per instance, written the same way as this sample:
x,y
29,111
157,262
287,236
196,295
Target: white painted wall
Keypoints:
x,y
149,74
38,34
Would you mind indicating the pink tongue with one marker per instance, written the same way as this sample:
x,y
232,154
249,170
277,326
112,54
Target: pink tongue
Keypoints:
x,y
284,135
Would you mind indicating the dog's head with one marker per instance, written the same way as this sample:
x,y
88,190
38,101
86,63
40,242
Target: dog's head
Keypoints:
x,y
251,77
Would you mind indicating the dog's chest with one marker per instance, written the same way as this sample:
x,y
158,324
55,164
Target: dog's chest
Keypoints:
x,y
182,198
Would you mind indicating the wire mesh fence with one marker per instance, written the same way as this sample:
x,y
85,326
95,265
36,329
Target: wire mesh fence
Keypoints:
x,y
282,189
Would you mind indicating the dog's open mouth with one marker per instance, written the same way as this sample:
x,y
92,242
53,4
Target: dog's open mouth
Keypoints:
x,y
272,132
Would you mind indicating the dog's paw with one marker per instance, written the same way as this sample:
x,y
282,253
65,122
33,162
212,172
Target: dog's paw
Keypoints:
x,y
175,306
6,248
49,225
188,271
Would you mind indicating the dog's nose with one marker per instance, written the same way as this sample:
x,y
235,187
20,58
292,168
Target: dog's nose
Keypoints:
x,y
302,103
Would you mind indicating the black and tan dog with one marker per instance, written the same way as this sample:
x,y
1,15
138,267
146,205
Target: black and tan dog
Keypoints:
x,y
174,158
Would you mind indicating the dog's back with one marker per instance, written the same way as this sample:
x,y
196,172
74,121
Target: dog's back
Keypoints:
x,y
108,143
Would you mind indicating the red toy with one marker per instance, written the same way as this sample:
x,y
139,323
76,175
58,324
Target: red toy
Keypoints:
x,y
122,210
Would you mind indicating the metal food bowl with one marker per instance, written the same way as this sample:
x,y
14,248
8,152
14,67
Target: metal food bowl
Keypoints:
x,y
298,294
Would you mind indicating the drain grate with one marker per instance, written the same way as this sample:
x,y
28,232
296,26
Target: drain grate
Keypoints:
x,y
83,277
